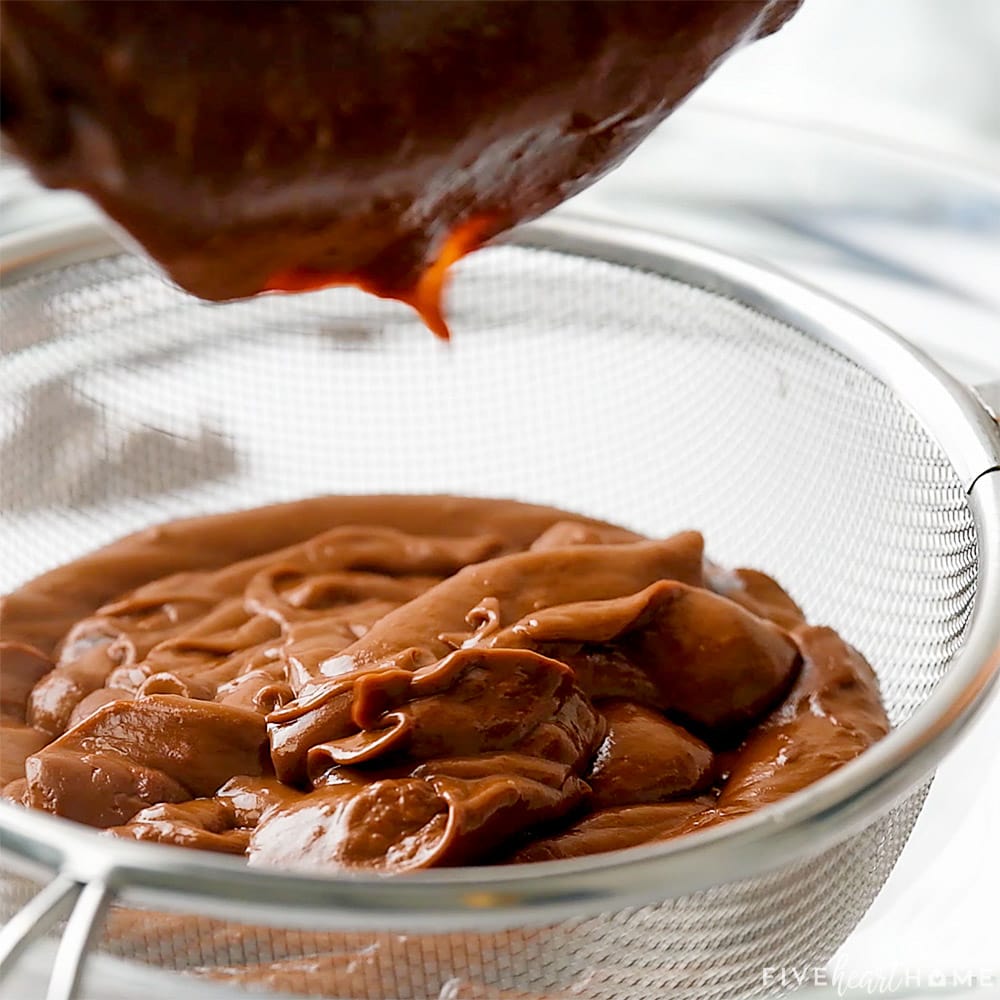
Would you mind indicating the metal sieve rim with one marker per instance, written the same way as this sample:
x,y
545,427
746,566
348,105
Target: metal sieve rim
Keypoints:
x,y
801,826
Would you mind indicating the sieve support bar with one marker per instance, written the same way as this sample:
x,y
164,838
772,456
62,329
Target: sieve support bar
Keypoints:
x,y
84,921
35,919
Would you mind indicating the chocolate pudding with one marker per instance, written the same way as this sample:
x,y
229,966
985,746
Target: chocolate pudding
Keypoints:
x,y
285,146
395,683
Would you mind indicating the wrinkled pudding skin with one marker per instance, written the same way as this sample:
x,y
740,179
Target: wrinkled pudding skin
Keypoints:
x,y
394,683
286,146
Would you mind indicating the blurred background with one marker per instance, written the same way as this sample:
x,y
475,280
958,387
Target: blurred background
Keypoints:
x,y
858,147
925,72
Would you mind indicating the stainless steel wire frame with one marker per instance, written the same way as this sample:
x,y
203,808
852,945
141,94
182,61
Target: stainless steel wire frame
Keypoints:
x,y
91,872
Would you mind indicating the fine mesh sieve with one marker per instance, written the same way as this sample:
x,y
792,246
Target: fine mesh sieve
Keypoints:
x,y
628,376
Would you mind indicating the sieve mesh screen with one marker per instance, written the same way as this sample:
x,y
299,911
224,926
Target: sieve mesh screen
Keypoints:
x,y
573,382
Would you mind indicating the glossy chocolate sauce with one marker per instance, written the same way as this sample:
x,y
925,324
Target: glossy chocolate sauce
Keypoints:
x,y
286,146
395,683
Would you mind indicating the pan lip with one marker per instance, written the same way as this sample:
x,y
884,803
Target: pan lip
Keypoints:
x,y
800,827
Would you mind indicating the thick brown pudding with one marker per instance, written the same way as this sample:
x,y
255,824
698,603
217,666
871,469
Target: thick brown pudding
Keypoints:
x,y
393,683
286,146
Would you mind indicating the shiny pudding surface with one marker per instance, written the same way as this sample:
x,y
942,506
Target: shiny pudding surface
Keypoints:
x,y
396,683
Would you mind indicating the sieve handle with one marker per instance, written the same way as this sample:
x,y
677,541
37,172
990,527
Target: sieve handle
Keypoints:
x,y
85,903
